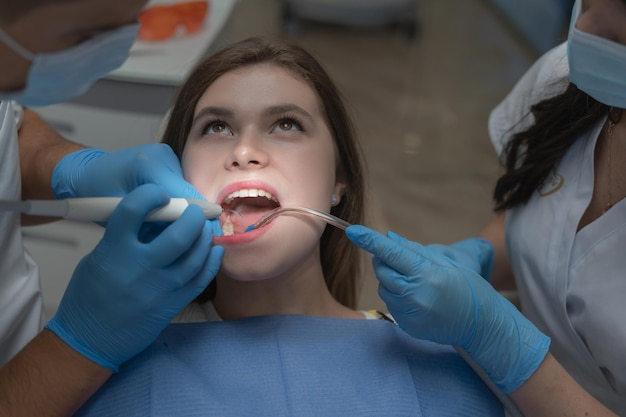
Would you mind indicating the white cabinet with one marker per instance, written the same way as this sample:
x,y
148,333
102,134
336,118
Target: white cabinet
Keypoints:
x,y
125,109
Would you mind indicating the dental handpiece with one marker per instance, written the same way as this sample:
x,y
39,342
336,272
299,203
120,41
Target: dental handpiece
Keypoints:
x,y
99,209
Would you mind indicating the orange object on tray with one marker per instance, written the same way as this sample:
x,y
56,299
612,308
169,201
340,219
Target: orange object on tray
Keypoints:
x,y
162,21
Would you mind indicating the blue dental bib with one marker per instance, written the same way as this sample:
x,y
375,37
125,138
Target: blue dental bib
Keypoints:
x,y
293,365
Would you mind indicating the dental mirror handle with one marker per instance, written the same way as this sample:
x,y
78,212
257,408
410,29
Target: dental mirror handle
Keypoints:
x,y
99,209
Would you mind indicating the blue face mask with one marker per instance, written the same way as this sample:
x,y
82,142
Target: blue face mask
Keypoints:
x,y
597,65
59,76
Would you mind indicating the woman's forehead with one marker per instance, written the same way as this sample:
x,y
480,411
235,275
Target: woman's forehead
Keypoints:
x,y
267,83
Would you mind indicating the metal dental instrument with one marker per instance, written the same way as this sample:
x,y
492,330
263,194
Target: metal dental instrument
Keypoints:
x,y
99,209
328,218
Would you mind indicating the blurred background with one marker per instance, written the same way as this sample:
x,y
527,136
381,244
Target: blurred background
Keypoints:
x,y
419,77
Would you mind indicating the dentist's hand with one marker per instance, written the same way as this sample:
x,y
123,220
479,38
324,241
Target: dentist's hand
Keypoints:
x,y
94,173
435,298
474,253
125,292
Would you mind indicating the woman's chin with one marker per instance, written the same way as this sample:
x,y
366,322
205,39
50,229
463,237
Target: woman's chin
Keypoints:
x,y
241,273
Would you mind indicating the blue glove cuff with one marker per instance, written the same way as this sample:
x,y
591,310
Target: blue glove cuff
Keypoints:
x,y
512,363
70,167
79,347
535,353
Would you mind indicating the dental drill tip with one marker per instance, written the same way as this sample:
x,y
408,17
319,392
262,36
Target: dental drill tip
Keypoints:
x,y
249,228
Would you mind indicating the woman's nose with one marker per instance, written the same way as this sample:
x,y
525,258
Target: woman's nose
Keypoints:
x,y
248,153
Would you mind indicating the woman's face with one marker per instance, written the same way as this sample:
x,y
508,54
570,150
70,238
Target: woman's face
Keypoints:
x,y
604,18
260,140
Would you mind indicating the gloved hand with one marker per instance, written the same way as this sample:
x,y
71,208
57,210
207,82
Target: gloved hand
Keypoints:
x,y
125,292
94,173
474,253
432,297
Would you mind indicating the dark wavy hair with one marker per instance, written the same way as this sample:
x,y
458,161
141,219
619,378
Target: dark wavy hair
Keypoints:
x,y
340,259
533,153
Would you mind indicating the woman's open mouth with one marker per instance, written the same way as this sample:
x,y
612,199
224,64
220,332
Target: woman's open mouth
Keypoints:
x,y
243,208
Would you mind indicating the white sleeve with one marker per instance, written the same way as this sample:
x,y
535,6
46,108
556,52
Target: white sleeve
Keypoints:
x,y
547,77
18,113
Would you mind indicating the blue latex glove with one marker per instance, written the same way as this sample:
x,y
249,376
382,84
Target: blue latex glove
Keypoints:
x,y
435,298
474,253
94,173
126,291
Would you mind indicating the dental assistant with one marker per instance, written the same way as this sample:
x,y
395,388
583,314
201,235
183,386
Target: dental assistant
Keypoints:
x,y
562,133
127,289
561,207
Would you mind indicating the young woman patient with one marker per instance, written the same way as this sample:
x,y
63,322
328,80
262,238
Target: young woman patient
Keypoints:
x,y
257,126
253,136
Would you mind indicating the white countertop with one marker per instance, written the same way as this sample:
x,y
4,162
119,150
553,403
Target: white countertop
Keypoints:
x,y
167,62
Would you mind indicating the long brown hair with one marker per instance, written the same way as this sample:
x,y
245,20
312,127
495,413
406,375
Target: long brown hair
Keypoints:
x,y
531,154
340,259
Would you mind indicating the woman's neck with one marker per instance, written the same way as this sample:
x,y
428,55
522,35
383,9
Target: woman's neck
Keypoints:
x,y
305,293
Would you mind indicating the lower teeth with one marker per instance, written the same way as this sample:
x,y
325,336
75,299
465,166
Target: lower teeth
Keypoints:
x,y
228,229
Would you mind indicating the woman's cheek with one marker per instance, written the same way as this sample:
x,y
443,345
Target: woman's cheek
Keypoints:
x,y
198,170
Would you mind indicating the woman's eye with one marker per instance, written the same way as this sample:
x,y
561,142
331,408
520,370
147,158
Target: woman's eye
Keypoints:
x,y
288,125
217,128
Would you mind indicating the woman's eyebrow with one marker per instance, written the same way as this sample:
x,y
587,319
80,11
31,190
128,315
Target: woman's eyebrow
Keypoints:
x,y
268,112
213,111
287,108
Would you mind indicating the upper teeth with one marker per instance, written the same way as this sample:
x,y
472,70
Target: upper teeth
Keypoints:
x,y
251,192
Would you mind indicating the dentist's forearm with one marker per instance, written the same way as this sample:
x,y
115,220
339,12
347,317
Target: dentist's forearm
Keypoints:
x,y
40,148
551,392
48,378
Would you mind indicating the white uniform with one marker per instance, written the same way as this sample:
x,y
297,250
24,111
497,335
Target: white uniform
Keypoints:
x,y
572,285
21,305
